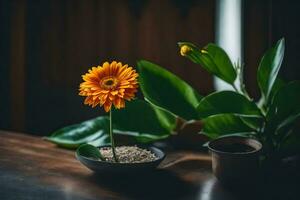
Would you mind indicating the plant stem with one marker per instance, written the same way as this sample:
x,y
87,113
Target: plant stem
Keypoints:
x,y
239,68
111,137
244,91
235,88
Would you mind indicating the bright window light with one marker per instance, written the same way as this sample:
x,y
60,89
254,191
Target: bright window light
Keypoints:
x,y
229,33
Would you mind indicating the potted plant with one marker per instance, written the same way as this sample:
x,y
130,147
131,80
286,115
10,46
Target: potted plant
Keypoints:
x,y
271,119
108,86
232,113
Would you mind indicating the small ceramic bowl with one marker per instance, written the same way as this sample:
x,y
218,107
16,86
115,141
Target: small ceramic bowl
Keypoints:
x,y
100,166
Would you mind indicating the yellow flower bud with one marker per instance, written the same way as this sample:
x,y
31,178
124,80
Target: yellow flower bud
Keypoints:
x,y
203,51
184,50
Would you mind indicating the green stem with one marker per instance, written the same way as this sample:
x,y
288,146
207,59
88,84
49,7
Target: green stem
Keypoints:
x,y
235,88
241,91
111,137
240,75
244,91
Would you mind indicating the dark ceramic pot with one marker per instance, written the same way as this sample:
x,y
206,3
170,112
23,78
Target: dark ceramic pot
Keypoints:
x,y
235,159
99,166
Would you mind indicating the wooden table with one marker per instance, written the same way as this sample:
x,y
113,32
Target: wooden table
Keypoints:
x,y
31,168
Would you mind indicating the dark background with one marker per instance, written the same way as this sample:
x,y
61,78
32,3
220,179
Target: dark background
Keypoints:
x,y
47,45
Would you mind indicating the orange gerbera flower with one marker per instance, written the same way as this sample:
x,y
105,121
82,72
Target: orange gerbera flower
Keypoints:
x,y
111,83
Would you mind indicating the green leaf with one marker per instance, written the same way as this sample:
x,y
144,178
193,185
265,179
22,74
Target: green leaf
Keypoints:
x,y
291,145
278,84
269,68
166,118
165,90
214,59
285,130
253,122
225,124
142,120
227,102
138,120
289,121
286,101
94,130
223,62
285,107
89,151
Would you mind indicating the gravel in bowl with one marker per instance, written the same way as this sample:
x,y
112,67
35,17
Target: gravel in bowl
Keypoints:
x,y
128,154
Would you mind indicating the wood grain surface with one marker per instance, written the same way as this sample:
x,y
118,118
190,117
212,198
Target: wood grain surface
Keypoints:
x,y
31,168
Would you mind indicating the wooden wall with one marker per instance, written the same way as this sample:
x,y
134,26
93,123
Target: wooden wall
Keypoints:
x,y
4,65
45,45
265,22
53,42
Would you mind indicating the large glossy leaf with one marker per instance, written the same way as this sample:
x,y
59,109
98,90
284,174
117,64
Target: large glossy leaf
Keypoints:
x,y
138,120
165,90
269,68
227,102
285,107
225,124
166,118
141,119
278,84
94,130
214,59
253,122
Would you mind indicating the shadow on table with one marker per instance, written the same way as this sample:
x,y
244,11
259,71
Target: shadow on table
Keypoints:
x,y
156,184
164,184
276,183
192,181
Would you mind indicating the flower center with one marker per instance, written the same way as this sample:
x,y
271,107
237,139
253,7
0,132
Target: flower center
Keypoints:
x,y
108,83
